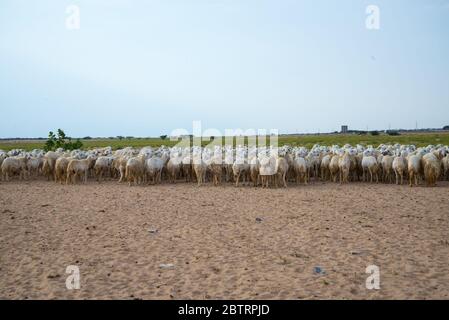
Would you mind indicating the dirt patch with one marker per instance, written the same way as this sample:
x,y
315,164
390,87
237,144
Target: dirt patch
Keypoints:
x,y
187,242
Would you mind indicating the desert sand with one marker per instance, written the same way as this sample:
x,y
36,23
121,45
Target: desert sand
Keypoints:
x,y
223,242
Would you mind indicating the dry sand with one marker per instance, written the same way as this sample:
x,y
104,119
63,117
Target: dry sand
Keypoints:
x,y
218,247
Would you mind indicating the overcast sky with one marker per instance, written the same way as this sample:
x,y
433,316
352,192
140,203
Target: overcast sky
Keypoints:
x,y
145,68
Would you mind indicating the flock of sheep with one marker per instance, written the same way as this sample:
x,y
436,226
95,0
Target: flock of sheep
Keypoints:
x,y
258,166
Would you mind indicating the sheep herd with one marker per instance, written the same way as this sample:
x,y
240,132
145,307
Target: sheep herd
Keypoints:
x,y
249,165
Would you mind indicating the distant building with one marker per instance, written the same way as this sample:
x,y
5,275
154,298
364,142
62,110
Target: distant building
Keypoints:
x,y
344,129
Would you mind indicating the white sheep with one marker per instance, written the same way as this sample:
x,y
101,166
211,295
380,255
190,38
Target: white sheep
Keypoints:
x,y
267,169
300,168
414,168
216,167
370,165
324,166
399,166
153,169
240,168
3,156
61,169
48,167
135,170
14,165
254,167
174,166
446,167
334,167
199,167
78,169
344,167
103,166
432,167
387,167
281,170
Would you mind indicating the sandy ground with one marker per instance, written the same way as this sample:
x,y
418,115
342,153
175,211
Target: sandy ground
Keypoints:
x,y
217,245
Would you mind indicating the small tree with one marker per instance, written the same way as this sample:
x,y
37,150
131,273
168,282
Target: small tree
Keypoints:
x,y
50,144
61,141
163,137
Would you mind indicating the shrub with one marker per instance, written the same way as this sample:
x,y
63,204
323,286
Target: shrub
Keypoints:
x,y
60,140
393,133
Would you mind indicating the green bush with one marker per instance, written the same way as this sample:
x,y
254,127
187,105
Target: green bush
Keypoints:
x,y
393,133
60,140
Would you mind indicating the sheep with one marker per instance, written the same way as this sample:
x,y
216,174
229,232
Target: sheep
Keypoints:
x,y
446,167
14,165
228,163
174,167
359,169
3,156
414,168
48,167
61,169
240,168
399,166
313,161
281,170
186,166
369,164
334,167
78,168
254,170
325,161
300,168
199,167
248,163
291,166
387,167
432,167
216,168
119,165
33,165
153,169
344,166
135,170
103,165
267,170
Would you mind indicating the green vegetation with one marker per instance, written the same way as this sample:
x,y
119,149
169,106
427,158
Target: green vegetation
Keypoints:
x,y
60,140
418,139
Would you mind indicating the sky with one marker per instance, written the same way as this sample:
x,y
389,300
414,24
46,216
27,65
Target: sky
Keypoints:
x,y
146,68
